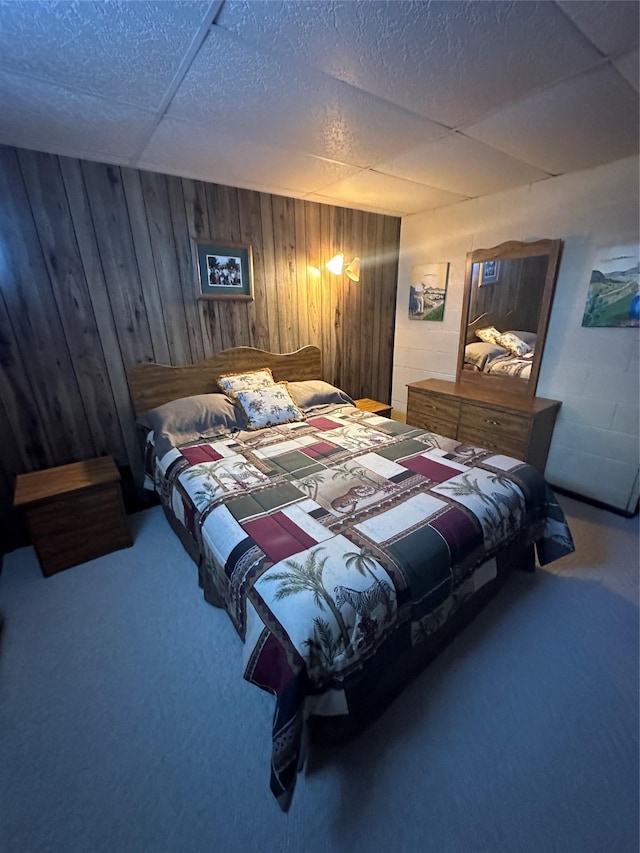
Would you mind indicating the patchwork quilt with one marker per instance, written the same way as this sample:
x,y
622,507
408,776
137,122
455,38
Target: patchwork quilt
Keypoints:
x,y
340,540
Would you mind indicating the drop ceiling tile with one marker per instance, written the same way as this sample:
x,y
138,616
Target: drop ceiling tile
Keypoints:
x,y
449,61
244,92
50,118
180,148
388,193
629,66
583,122
461,165
612,25
124,50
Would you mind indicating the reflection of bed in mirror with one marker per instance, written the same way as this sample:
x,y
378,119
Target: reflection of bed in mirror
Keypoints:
x,y
495,346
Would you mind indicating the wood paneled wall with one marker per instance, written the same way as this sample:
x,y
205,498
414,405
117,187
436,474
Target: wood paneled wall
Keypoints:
x,y
96,275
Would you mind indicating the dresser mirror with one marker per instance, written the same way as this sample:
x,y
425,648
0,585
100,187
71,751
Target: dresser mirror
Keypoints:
x,y
505,315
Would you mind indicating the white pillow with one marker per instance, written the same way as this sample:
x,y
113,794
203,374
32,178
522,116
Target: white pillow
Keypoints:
x,y
232,382
269,406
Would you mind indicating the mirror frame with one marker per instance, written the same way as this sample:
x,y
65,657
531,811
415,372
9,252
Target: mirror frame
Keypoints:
x,y
508,251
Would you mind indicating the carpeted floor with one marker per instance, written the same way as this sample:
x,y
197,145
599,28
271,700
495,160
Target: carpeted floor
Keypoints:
x,y
125,725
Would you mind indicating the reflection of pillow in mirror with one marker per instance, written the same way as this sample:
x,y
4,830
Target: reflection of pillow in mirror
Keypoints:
x,y
489,335
528,337
514,344
478,353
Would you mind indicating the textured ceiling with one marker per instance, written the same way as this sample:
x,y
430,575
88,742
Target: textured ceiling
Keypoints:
x,y
396,107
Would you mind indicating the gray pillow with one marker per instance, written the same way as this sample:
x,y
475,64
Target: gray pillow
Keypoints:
x,y
191,418
315,393
479,352
528,337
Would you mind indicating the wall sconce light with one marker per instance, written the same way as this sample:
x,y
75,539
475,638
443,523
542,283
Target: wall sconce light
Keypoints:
x,y
337,267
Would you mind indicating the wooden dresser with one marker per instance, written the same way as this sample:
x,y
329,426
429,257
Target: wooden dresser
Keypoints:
x,y
507,423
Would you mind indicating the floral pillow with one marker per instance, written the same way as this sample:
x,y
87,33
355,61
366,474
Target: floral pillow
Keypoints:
x,y
232,382
489,335
514,344
270,406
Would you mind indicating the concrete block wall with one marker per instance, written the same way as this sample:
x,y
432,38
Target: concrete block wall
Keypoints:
x,y
595,447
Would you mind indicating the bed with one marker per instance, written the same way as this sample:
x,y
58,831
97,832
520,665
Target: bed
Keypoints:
x,y
494,347
345,547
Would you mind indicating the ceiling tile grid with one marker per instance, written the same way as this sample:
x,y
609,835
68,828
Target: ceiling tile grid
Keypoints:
x,y
443,60
234,87
180,148
43,116
123,50
438,164
580,123
396,106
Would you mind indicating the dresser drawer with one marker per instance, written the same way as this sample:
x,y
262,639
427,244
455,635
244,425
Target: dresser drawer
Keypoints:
x,y
504,432
433,412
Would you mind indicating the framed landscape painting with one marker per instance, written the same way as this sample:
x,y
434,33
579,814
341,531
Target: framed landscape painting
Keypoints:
x,y
223,271
613,298
428,291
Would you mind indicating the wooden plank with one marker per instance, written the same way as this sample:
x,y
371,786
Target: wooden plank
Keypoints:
x,y
197,217
88,247
313,252
156,201
36,322
251,234
391,231
266,216
115,245
372,300
20,406
336,295
302,263
43,180
354,325
234,314
220,230
186,272
329,249
158,328
286,284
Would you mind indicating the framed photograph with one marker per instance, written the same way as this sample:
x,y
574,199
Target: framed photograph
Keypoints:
x,y
223,270
428,291
489,272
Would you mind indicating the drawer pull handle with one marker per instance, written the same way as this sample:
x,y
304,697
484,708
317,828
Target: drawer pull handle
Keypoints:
x,y
493,423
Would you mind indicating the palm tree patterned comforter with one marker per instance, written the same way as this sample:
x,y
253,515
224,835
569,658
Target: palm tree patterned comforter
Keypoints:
x,y
332,540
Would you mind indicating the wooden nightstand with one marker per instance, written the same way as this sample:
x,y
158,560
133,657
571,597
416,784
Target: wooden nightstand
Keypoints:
x,y
374,406
75,512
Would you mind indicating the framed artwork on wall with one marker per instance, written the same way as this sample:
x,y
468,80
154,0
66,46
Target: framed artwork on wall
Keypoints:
x,y
613,297
428,291
489,272
223,270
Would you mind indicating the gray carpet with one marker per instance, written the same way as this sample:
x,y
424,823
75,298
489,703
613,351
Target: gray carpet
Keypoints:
x,y
125,725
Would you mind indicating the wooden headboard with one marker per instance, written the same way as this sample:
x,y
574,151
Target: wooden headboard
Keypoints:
x,y
153,384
